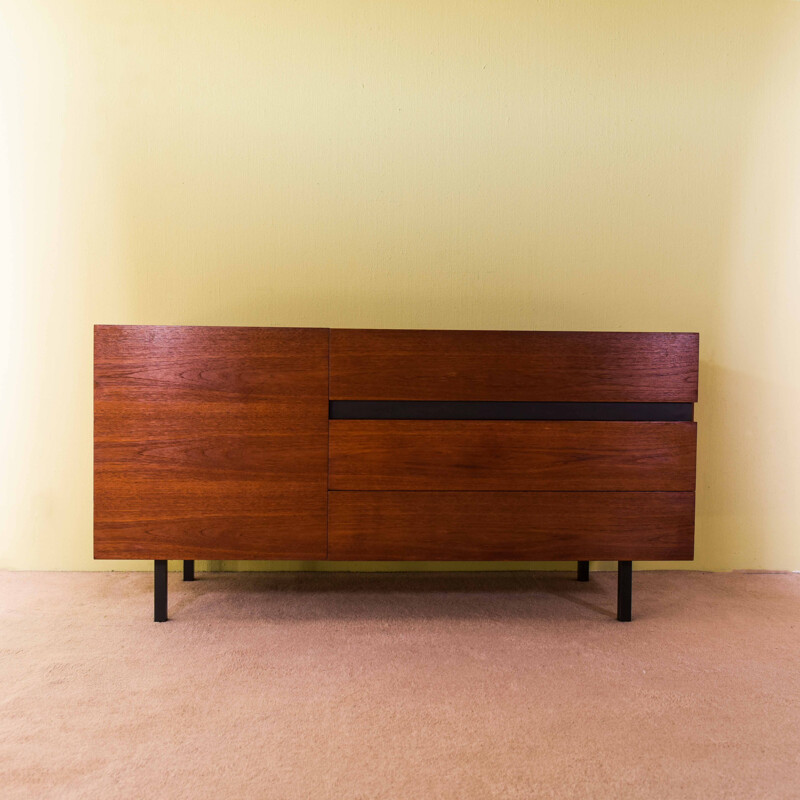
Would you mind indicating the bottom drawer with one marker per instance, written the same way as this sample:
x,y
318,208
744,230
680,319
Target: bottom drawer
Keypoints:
x,y
512,526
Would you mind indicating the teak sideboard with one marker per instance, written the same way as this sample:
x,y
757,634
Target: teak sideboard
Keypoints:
x,y
401,445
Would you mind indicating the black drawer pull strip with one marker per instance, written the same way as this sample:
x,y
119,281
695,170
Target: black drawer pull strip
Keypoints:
x,y
480,409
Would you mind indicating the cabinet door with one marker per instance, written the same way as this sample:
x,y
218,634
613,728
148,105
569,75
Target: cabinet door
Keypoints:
x,y
210,442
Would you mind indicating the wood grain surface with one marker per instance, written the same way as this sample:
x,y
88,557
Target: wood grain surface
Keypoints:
x,y
513,365
486,526
210,443
483,455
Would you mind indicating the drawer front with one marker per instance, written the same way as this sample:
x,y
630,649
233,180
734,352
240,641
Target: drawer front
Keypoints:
x,y
520,456
513,366
500,526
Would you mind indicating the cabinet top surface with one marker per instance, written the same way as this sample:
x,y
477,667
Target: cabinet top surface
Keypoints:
x,y
471,331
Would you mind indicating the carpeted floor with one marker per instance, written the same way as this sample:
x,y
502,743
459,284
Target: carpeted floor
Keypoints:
x,y
487,685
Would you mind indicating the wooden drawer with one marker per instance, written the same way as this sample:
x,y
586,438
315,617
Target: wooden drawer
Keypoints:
x,y
486,526
513,366
483,455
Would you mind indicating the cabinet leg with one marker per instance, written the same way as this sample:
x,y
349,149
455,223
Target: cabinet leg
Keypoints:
x,y
583,570
624,590
160,591
188,570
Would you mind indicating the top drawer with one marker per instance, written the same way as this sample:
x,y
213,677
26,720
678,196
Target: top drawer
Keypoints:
x,y
513,366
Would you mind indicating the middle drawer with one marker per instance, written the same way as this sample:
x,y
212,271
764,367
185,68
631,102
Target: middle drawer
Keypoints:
x,y
493,455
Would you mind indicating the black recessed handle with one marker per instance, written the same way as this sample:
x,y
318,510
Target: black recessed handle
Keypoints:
x,y
512,410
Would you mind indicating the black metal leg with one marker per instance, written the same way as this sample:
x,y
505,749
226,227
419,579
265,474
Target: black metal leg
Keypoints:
x,y
160,593
624,590
188,570
583,570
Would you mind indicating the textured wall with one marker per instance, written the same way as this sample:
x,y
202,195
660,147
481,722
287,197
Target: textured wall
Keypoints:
x,y
532,165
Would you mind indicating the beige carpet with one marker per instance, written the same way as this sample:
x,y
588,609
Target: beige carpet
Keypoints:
x,y
492,685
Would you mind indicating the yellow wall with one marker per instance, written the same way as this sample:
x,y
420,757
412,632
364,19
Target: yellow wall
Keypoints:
x,y
532,165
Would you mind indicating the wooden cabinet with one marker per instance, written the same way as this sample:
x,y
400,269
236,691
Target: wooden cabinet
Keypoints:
x,y
269,443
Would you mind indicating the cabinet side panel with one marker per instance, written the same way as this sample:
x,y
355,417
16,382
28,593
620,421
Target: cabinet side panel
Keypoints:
x,y
210,442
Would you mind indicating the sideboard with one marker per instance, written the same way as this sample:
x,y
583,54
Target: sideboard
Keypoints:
x,y
393,445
